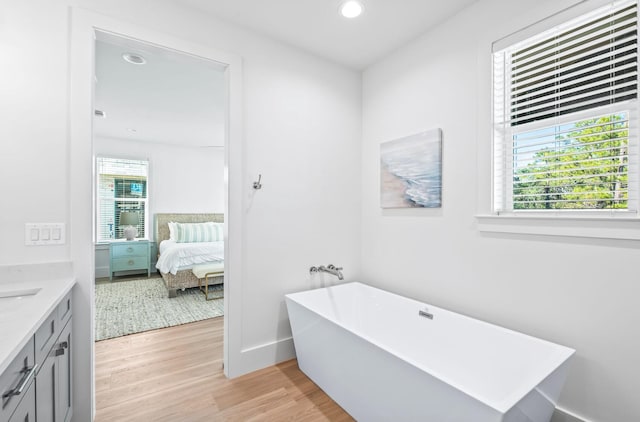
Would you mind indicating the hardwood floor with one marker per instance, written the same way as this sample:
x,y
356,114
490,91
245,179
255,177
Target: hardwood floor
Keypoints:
x,y
175,374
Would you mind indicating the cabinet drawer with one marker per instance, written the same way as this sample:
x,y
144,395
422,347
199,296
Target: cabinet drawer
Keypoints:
x,y
18,374
129,249
132,263
46,336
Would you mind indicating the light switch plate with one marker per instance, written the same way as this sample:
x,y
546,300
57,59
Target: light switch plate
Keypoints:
x,y
44,234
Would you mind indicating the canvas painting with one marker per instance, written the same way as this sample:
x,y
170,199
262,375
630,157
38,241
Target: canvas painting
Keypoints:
x,y
411,171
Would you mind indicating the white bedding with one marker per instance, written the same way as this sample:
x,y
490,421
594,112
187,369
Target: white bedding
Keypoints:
x,y
175,256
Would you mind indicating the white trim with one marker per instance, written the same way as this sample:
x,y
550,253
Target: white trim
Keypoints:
x,y
579,7
621,228
264,355
83,27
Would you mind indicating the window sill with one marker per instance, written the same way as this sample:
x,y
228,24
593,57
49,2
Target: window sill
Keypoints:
x,y
627,228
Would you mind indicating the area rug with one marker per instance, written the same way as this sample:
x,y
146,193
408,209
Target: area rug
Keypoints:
x,y
133,306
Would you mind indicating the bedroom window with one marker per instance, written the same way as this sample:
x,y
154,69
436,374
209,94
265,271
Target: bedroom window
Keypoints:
x,y
122,187
565,108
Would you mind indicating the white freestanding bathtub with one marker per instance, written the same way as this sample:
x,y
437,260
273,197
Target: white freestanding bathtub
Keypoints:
x,y
382,359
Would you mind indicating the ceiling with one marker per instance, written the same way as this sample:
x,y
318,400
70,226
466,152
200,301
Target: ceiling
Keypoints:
x,y
178,99
316,25
173,98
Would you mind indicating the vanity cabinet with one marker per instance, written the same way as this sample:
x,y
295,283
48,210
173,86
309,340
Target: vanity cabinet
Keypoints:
x,y
18,387
37,385
65,380
53,356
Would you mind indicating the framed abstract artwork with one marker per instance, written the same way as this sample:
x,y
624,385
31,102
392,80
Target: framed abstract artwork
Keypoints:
x,y
411,171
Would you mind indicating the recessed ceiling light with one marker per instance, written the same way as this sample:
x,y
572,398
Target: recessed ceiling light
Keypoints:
x,y
134,58
351,9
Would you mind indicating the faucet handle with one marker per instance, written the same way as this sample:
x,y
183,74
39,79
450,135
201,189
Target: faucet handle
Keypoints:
x,y
333,267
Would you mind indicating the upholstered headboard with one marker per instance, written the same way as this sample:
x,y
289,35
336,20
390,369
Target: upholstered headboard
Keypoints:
x,y
162,228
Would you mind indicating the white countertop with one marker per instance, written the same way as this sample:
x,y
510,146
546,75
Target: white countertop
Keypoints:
x,y
20,318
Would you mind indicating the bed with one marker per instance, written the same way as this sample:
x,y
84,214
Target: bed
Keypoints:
x,y
177,259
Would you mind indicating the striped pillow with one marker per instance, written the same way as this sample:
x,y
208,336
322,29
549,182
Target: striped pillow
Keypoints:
x,y
199,232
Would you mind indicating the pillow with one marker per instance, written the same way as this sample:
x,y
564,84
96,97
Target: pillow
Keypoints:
x,y
199,232
172,230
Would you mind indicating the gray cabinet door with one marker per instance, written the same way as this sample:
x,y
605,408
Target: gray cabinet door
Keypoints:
x,y
65,408
46,388
26,410
53,382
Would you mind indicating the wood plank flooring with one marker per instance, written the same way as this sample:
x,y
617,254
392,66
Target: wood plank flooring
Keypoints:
x,y
175,374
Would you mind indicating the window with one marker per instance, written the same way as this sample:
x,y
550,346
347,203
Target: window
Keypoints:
x,y
566,117
122,187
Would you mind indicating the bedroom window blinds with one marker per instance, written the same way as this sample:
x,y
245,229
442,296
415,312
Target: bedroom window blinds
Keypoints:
x,y
566,116
122,187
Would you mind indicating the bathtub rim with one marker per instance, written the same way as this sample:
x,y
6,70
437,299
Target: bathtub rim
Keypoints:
x,y
502,405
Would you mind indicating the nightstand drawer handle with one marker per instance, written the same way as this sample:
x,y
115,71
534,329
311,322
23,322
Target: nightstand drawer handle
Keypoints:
x,y
130,262
129,249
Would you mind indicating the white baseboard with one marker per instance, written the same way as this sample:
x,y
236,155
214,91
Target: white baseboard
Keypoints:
x,y
102,272
564,416
258,357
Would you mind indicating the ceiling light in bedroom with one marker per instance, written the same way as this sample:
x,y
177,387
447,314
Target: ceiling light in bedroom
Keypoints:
x,y
134,58
351,9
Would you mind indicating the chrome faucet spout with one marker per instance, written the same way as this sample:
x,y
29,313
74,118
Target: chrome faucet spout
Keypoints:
x,y
332,269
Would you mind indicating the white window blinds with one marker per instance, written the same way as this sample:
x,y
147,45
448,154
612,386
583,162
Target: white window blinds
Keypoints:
x,y
565,116
122,187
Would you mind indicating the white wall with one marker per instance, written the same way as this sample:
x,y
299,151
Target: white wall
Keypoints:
x,y
33,127
181,179
302,131
578,292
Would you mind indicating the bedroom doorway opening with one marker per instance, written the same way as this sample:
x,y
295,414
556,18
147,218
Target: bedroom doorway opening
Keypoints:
x,y
85,27
159,135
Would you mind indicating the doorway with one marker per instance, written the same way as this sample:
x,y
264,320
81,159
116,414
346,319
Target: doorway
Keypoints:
x,y
85,26
158,139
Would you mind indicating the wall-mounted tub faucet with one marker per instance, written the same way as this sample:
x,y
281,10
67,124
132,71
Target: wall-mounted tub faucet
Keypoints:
x,y
332,269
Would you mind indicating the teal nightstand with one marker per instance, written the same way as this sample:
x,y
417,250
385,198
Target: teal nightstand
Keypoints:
x,y
129,255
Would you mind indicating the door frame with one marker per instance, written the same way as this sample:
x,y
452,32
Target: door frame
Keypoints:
x,y
80,173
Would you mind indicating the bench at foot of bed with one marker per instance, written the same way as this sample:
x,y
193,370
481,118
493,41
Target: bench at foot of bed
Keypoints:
x,y
186,279
212,273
